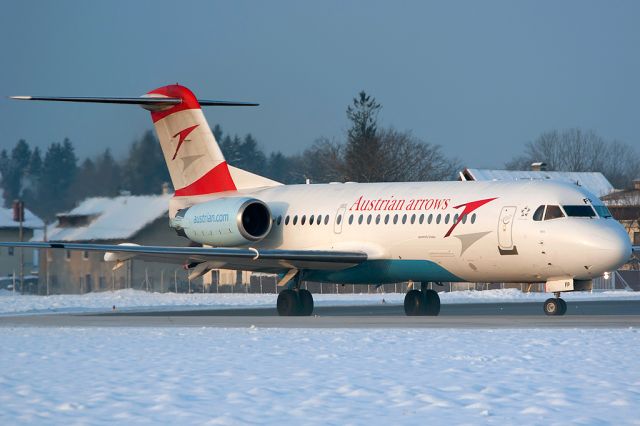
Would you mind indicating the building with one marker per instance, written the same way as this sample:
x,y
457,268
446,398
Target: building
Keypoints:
x,y
15,262
625,207
100,220
592,181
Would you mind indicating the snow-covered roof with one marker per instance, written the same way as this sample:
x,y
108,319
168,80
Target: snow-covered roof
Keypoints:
x,y
629,197
30,220
593,181
111,218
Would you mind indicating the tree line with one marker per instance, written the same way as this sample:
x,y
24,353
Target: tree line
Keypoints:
x,y
57,180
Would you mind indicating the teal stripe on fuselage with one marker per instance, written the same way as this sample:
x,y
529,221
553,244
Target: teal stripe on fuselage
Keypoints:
x,y
385,271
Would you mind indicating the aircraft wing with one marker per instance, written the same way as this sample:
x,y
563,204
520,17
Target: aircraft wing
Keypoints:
x,y
247,259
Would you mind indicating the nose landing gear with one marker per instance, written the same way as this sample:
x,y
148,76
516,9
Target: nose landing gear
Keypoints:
x,y
555,306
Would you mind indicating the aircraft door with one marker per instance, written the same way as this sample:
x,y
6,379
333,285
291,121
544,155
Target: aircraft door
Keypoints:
x,y
339,219
505,228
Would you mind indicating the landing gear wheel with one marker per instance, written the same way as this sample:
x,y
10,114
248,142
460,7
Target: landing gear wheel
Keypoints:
x,y
306,302
432,303
288,303
555,306
414,303
563,306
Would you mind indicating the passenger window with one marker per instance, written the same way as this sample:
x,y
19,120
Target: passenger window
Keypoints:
x,y
446,218
304,218
326,219
386,219
464,218
350,219
295,220
338,219
377,219
319,219
413,219
455,218
538,214
438,218
369,220
473,218
421,220
404,219
430,219
286,220
360,220
553,212
311,220
395,219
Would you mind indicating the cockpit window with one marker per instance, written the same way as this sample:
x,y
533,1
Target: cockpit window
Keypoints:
x,y
553,212
579,211
602,211
537,215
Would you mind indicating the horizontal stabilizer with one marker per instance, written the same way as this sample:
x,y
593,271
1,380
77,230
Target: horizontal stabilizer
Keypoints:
x,y
147,102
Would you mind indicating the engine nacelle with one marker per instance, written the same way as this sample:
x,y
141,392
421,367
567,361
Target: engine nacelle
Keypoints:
x,y
225,222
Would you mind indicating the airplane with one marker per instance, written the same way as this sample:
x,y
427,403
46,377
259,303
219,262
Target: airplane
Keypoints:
x,y
364,233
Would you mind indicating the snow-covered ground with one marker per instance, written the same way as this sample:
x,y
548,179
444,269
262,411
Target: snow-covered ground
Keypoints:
x,y
11,303
297,376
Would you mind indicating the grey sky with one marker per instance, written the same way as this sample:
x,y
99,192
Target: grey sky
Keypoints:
x,y
478,78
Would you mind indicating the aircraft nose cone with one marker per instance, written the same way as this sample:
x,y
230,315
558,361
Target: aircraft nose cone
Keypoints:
x,y
615,247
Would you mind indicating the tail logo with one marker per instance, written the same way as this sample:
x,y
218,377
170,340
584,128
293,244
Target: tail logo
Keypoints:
x,y
182,137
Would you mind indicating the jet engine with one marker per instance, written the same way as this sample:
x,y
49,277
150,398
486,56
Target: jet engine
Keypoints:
x,y
225,222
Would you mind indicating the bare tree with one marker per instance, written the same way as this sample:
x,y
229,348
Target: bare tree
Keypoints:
x,y
576,150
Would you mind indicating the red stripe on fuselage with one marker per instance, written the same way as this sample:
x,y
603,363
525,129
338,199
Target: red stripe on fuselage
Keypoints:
x,y
189,100
217,179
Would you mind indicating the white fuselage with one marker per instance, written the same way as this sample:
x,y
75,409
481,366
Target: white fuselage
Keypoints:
x,y
408,232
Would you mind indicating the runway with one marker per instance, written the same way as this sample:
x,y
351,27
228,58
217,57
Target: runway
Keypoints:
x,y
588,314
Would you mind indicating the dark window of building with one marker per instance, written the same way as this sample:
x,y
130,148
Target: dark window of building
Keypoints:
x,y
10,251
67,254
85,254
636,238
553,212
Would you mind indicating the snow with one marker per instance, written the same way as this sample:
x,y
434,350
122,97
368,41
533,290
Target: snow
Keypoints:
x,y
12,303
31,221
317,377
593,181
112,218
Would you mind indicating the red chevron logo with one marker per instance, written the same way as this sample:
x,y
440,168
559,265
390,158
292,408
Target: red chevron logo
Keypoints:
x,y
182,134
468,208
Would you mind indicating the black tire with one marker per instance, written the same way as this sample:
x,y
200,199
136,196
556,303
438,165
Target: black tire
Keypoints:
x,y
552,307
288,303
563,307
432,303
414,303
306,302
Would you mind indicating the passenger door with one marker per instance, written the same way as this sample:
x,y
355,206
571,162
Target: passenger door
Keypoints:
x,y
505,228
339,219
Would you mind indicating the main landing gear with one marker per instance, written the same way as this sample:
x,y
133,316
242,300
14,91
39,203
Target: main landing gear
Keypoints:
x,y
555,306
423,302
295,302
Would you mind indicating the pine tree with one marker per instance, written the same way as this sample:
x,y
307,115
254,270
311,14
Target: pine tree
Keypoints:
x,y
362,151
145,170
